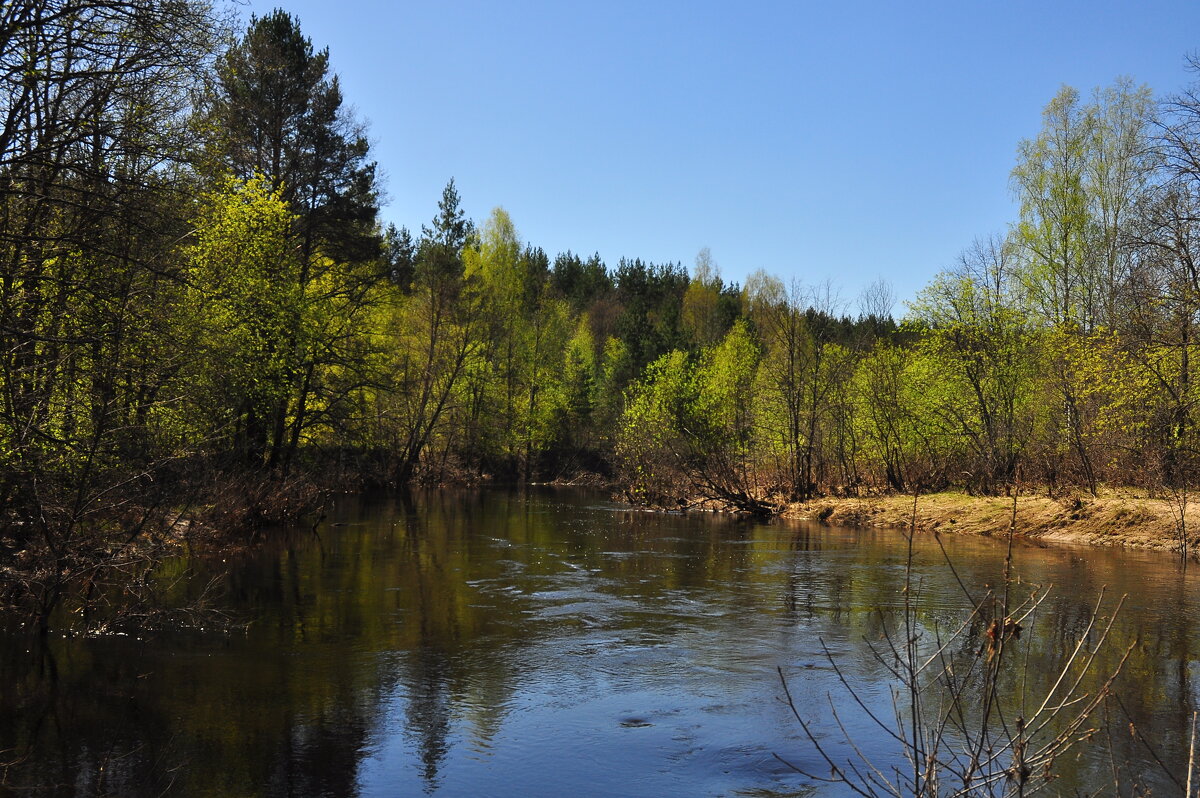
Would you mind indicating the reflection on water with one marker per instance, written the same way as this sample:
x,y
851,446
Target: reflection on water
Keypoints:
x,y
550,644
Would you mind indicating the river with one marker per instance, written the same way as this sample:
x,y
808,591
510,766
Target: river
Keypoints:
x,y
551,643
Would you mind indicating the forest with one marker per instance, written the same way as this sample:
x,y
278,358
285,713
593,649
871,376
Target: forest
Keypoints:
x,y
202,317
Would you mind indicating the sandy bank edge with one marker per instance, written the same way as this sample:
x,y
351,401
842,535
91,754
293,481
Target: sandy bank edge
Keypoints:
x,y
1129,521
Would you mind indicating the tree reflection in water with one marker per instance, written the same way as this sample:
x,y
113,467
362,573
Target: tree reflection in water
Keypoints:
x,y
495,643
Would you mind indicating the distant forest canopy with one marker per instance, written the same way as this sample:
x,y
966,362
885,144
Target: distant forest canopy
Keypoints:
x,y
196,283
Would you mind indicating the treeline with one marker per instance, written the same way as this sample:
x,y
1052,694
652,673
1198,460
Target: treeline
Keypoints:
x,y
1060,355
196,289
1056,356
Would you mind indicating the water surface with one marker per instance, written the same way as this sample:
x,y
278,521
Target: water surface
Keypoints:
x,y
551,643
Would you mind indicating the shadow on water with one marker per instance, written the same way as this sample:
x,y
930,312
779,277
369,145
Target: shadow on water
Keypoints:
x,y
541,643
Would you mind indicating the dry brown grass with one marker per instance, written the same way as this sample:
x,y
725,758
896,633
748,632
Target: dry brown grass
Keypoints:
x,y
1114,518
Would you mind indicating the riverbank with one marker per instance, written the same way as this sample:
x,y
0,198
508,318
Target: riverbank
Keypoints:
x,y
1121,519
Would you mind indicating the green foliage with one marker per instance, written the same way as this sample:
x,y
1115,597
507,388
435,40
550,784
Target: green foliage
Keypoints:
x,y
649,444
981,390
244,301
1098,401
1078,182
725,408
889,415
706,313
691,425
579,382
651,300
580,282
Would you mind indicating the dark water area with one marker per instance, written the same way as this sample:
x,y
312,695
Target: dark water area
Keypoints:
x,y
550,643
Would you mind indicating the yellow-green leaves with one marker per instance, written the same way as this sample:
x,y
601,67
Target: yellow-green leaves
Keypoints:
x,y
244,299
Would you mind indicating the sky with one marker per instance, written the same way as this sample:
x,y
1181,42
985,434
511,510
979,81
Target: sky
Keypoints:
x,y
838,143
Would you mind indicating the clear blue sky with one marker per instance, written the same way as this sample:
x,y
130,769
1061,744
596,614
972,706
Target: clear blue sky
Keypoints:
x,y
843,141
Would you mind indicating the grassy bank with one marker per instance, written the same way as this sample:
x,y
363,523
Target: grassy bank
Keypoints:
x,y
1114,518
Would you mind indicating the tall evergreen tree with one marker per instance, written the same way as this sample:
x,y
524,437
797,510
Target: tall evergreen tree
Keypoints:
x,y
436,335
279,110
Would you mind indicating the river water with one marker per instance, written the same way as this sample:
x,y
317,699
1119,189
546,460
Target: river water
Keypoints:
x,y
550,643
